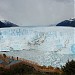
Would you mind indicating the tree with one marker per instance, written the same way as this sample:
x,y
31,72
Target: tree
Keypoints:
x,y
69,68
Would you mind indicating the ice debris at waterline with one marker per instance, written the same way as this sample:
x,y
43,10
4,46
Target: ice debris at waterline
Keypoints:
x,y
45,45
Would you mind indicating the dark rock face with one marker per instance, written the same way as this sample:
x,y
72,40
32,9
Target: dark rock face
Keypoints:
x,y
7,24
70,23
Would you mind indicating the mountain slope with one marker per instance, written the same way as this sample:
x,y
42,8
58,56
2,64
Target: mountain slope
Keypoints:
x,y
70,23
7,24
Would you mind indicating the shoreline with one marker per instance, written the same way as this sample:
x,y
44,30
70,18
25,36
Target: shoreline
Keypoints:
x,y
35,65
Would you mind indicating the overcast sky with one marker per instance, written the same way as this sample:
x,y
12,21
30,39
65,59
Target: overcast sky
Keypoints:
x,y
36,12
74,8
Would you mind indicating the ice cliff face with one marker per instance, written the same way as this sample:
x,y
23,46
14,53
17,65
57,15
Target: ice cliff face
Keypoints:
x,y
56,39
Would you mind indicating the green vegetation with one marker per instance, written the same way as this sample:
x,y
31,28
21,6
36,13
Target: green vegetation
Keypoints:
x,y
69,68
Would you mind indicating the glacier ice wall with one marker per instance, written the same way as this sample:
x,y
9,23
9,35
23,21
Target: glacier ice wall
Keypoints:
x,y
59,39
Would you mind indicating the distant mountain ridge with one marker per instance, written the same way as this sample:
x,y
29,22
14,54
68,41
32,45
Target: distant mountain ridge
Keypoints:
x,y
70,23
66,23
7,24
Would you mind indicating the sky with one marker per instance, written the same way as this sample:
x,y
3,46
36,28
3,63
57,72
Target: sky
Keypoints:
x,y
74,8
36,12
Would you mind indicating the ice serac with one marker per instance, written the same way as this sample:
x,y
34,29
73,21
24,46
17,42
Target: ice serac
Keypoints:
x,y
56,39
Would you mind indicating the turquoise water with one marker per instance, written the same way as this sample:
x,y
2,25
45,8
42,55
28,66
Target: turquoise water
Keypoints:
x,y
73,48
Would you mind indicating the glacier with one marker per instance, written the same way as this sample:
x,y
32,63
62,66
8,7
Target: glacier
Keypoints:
x,y
45,45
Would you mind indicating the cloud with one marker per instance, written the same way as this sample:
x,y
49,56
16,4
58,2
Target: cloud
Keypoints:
x,y
36,12
64,0
74,8
1,18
